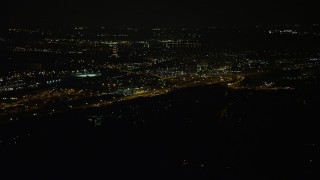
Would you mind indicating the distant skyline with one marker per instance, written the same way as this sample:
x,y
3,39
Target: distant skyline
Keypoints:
x,y
144,13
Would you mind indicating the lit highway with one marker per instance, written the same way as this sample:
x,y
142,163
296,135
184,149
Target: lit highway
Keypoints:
x,y
41,102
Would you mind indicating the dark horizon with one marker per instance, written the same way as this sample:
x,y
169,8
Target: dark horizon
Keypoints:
x,y
141,13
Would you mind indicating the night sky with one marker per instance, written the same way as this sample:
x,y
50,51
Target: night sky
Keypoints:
x,y
156,13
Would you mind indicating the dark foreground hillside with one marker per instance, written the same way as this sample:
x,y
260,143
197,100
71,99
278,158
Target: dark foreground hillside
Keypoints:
x,y
198,133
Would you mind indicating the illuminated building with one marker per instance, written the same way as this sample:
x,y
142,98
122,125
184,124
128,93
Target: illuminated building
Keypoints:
x,y
203,66
115,52
87,74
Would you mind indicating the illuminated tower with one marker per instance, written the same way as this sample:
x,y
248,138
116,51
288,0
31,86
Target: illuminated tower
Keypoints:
x,y
114,51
